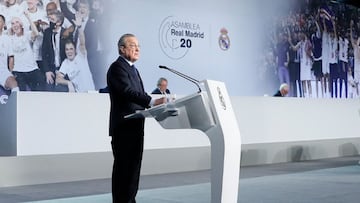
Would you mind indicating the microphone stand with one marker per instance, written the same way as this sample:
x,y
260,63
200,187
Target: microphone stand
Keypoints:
x,y
196,82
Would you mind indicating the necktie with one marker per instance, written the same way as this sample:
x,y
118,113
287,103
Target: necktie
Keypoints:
x,y
54,38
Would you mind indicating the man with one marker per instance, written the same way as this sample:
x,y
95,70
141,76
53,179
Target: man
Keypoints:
x,y
25,68
91,30
127,95
7,80
283,90
53,49
76,68
305,47
38,16
51,7
161,87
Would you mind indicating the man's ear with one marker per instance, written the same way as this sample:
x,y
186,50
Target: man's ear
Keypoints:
x,y
121,50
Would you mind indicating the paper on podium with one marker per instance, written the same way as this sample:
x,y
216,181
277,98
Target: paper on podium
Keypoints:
x,y
159,112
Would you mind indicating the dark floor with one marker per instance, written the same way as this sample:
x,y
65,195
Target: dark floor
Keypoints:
x,y
101,186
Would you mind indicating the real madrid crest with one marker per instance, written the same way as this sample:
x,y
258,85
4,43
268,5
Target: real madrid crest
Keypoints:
x,y
224,40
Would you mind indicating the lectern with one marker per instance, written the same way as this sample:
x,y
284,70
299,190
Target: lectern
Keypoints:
x,y
211,112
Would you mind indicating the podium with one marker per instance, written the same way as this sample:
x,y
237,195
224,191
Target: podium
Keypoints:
x,y
212,113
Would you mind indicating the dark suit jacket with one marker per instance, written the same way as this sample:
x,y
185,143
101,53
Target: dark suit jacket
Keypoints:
x,y
278,94
48,54
157,91
126,96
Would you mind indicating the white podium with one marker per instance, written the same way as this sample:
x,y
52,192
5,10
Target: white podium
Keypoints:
x,y
212,113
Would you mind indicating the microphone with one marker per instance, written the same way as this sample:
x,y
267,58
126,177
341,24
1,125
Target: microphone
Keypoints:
x,y
196,82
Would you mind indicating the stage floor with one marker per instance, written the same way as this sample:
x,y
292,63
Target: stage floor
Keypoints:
x,y
325,180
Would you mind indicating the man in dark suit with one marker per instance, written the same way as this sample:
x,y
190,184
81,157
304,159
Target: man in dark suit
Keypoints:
x,y
53,49
283,90
161,87
127,95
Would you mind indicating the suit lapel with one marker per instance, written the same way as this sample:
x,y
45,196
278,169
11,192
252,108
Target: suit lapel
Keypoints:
x,y
140,80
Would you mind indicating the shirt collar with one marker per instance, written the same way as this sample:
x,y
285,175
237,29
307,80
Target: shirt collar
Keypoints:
x,y
129,62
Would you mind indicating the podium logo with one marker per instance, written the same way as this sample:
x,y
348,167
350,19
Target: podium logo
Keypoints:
x,y
176,36
224,40
3,99
221,99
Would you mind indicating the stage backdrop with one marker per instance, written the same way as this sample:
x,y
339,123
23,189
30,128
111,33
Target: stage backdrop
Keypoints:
x,y
235,41
219,40
240,43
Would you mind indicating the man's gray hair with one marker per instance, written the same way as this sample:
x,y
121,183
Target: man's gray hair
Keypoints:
x,y
160,80
121,42
283,86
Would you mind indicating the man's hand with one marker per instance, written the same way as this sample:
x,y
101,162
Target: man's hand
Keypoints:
x,y
50,77
159,101
67,32
78,19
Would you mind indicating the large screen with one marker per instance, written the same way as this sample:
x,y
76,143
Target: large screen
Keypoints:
x,y
254,46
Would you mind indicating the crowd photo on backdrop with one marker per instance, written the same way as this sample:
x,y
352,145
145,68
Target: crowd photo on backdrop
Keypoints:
x,y
34,35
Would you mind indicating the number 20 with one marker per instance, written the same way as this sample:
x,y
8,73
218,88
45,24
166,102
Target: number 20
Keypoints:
x,y
185,43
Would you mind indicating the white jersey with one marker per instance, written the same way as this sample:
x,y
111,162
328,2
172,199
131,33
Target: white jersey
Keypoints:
x,y
24,60
2,9
325,52
23,5
343,49
78,72
357,63
305,61
5,52
333,51
15,11
37,44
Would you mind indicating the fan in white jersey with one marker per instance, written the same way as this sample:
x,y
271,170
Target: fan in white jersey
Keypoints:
x,y
25,69
37,15
7,80
76,67
353,91
326,47
305,62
